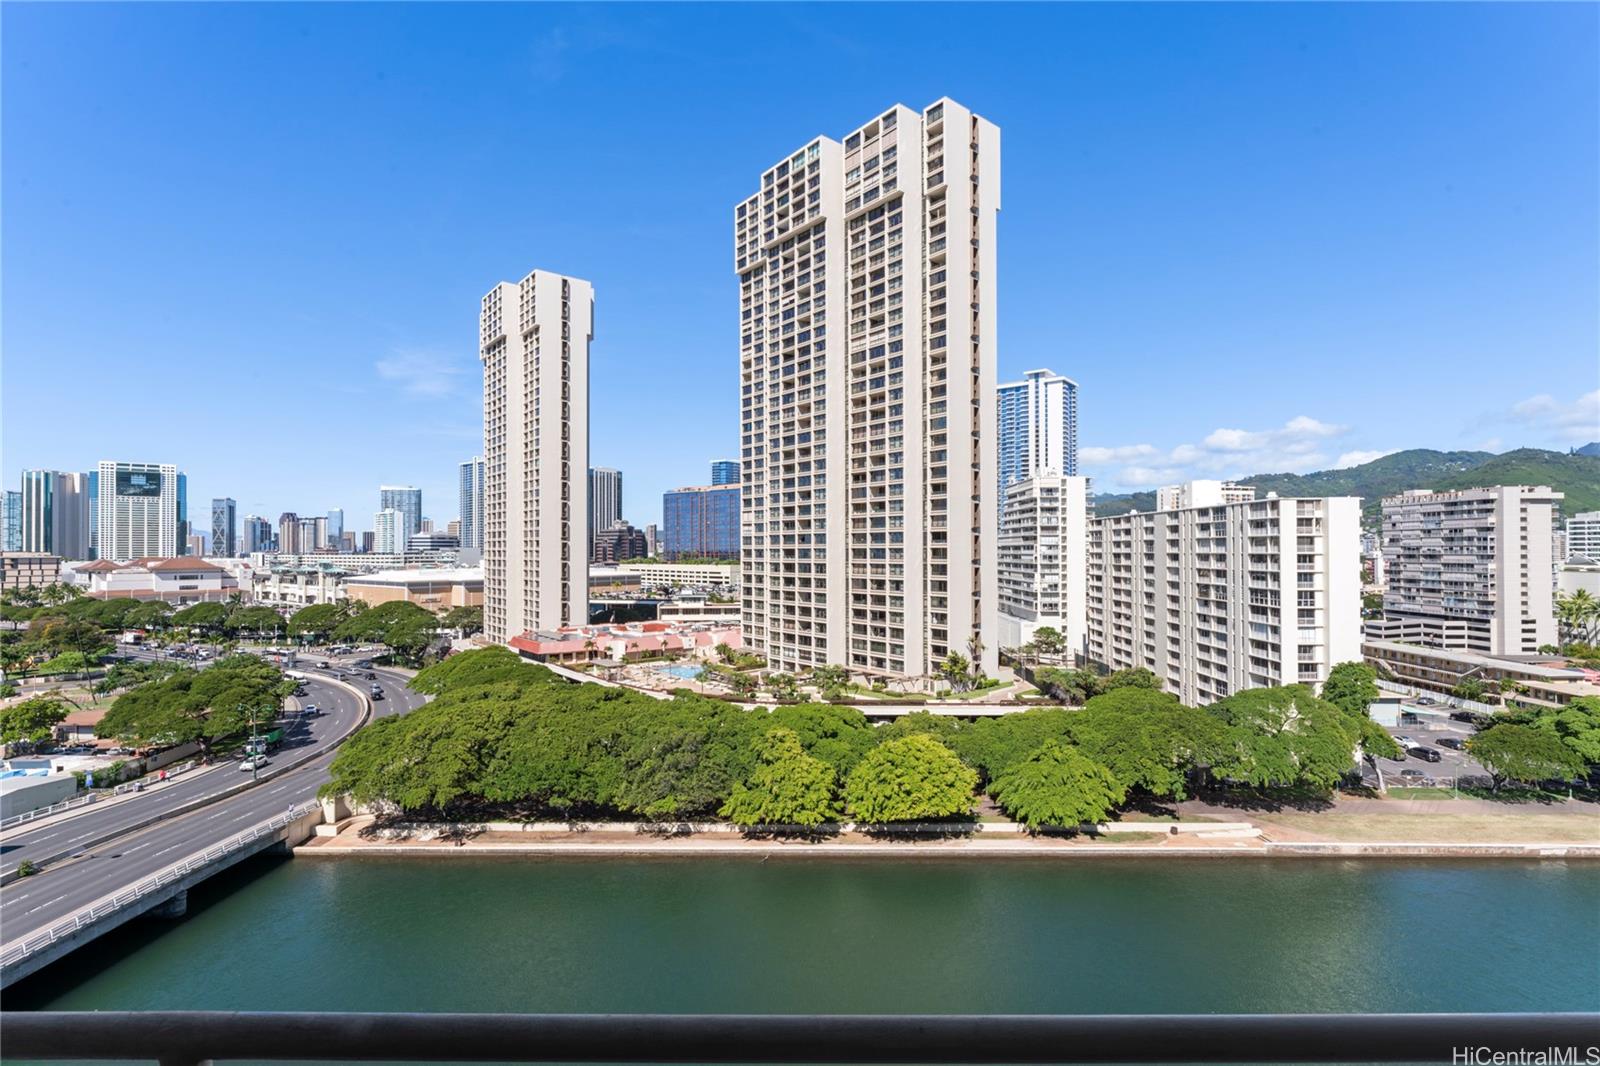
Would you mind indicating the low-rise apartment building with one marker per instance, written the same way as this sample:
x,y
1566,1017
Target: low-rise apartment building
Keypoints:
x,y
293,587
1226,594
1440,670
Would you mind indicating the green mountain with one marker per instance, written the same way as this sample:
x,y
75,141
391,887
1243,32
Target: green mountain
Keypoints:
x,y
1576,475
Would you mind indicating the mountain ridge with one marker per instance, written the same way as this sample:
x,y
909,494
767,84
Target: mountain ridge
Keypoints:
x,y
1575,474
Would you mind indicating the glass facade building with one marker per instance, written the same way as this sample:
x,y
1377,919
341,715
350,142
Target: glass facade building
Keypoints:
x,y
1038,427
725,472
701,522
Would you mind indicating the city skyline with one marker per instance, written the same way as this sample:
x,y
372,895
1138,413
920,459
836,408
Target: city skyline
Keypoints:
x,y
1282,244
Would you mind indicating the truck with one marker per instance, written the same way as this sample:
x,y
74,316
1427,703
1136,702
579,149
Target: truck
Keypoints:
x,y
265,742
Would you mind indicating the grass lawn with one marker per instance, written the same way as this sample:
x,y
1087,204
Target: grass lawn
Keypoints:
x,y
1512,827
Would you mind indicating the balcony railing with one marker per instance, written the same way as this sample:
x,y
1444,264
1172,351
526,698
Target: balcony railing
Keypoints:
x,y
174,1038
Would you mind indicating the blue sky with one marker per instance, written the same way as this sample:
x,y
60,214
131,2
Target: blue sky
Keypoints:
x,y
251,239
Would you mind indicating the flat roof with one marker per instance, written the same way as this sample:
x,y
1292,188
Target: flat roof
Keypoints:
x,y
1553,673
443,575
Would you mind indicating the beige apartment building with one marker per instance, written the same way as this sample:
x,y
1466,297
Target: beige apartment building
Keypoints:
x,y
1469,570
867,372
534,340
1043,560
1226,594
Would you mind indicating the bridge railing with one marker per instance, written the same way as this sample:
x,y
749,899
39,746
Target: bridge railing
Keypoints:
x,y
183,1037
45,812
17,952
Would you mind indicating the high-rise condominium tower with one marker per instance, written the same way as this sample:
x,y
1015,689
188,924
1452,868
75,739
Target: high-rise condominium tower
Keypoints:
x,y
1038,427
534,339
605,502
408,501
55,513
224,526
471,531
725,471
867,364
140,510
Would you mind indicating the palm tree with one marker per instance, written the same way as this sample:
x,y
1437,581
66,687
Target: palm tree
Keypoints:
x,y
1577,613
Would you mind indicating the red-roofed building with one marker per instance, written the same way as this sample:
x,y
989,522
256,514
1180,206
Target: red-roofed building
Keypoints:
x,y
619,643
179,581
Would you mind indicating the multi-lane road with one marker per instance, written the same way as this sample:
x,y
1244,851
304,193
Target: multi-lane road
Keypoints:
x,y
132,853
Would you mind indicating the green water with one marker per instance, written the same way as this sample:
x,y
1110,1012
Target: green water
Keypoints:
x,y
796,936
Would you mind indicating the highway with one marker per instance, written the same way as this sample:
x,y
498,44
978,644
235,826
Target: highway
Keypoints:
x,y
29,904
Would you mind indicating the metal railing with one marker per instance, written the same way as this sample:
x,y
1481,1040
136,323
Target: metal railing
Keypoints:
x,y
181,1037
17,952
44,812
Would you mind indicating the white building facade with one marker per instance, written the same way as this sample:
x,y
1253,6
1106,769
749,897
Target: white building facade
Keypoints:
x,y
1469,569
137,512
1583,535
534,339
867,287
605,502
388,531
1043,560
54,513
1222,596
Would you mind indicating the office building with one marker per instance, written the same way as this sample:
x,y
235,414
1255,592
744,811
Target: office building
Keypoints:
x,y
256,535
289,534
94,514
1469,570
408,501
1583,535
369,540
701,523
1043,561
867,373
471,479
184,529
12,541
453,527
224,527
534,339
389,531
310,535
725,472
55,513
23,570
139,510
334,532
347,541
196,545
652,541
706,577
1037,420
605,502
618,543
1220,596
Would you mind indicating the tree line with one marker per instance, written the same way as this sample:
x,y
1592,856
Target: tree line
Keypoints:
x,y
504,735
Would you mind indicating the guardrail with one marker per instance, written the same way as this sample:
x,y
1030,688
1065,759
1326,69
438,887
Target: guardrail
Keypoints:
x,y
181,1037
16,953
44,812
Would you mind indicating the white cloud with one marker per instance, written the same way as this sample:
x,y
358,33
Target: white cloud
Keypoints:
x,y
421,373
1294,447
1569,422
1357,458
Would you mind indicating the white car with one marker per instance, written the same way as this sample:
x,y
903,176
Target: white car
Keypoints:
x,y
253,764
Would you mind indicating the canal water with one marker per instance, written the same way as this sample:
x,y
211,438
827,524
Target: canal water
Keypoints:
x,y
1109,935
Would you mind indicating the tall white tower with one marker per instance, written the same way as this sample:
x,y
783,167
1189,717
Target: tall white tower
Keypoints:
x,y
534,340
867,292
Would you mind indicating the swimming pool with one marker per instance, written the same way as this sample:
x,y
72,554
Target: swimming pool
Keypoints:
x,y
680,671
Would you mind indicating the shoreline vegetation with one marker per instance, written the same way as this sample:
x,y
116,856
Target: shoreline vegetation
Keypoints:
x,y
507,757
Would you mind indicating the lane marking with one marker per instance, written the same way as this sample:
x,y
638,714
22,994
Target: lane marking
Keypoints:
x,y
174,847
45,904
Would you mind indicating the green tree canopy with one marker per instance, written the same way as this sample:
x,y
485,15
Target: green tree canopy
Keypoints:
x,y
1283,738
910,778
400,625
468,620
994,745
263,620
1515,752
839,736
787,787
197,705
1057,786
1352,687
1147,739
203,616
31,721
319,620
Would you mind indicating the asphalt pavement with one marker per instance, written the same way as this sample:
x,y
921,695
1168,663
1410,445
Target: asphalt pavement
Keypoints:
x,y
32,903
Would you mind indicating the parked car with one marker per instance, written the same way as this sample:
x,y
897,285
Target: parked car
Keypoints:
x,y
1404,741
1453,743
1413,775
1424,753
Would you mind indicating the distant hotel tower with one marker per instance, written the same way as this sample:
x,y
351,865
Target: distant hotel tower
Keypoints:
x,y
534,341
867,370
